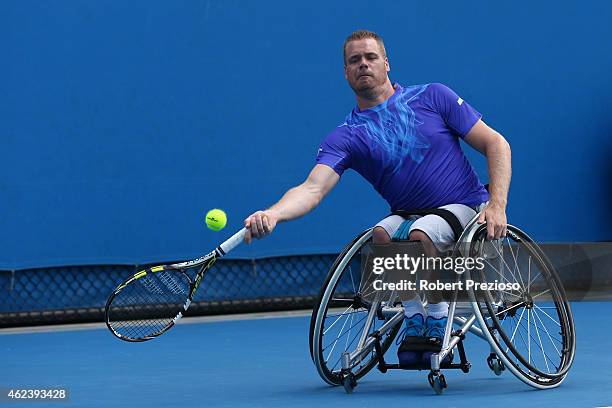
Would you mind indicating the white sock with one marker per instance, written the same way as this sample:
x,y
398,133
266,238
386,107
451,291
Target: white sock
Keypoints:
x,y
413,306
438,310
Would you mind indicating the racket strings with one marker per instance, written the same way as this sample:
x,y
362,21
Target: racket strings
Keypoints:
x,y
173,284
150,284
149,305
127,323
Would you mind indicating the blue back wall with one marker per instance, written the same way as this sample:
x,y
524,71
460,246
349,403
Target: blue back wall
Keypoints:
x,y
122,123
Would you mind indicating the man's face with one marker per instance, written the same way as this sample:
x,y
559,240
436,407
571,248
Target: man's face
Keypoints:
x,y
366,66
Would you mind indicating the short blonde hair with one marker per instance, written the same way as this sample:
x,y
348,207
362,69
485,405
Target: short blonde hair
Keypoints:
x,y
362,35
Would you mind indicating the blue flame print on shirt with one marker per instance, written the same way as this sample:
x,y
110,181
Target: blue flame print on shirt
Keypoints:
x,y
393,128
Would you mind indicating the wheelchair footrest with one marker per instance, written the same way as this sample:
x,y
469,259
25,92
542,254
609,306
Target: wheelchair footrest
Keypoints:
x,y
445,366
420,344
431,345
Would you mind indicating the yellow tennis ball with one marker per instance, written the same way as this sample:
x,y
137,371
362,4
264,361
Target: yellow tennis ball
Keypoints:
x,y
216,219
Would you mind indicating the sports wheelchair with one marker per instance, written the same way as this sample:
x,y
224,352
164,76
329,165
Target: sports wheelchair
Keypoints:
x,y
530,330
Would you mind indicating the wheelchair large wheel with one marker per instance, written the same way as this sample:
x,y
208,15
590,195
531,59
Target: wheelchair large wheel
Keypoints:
x,y
530,325
339,320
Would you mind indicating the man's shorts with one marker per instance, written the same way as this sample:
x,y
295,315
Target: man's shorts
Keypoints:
x,y
436,228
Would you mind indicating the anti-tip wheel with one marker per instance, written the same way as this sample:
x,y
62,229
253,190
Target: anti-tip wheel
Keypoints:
x,y
437,382
349,382
495,364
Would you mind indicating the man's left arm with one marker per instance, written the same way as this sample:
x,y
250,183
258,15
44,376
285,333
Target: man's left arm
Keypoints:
x,y
497,151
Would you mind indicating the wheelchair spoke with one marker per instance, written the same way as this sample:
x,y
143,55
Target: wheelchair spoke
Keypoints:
x,y
368,294
549,316
510,293
352,280
520,324
516,262
528,340
546,356
349,335
541,293
350,344
548,334
345,314
507,266
338,338
525,343
344,334
517,326
333,344
498,272
342,302
393,295
335,321
535,277
510,308
528,274
513,328
553,338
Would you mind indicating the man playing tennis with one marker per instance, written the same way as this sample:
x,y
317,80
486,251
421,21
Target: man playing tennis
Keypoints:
x,y
405,142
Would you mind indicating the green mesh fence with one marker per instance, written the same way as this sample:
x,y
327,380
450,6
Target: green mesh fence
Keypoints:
x,y
78,293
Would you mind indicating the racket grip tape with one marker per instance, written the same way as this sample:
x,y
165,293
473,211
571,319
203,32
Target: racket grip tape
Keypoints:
x,y
231,243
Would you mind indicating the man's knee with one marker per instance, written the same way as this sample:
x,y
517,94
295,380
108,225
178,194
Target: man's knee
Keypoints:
x,y
418,235
380,236
425,240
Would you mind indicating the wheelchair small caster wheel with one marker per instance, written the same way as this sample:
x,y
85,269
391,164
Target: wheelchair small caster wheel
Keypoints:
x,y
349,382
437,382
495,364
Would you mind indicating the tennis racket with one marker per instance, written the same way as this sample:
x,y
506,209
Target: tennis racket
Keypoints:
x,y
151,301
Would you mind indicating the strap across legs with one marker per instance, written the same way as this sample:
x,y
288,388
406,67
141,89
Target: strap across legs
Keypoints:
x,y
447,215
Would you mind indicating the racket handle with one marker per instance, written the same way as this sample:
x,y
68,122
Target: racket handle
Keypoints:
x,y
232,242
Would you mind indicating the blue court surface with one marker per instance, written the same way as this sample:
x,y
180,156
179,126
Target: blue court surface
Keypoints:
x,y
266,363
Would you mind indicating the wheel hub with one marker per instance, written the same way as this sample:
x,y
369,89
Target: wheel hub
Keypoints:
x,y
527,300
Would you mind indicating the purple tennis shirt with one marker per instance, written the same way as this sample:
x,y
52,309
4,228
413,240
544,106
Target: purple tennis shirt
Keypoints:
x,y
408,148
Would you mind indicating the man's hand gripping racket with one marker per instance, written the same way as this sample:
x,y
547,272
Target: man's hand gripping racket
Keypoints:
x,y
153,300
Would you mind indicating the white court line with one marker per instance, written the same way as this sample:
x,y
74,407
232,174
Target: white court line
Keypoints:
x,y
184,320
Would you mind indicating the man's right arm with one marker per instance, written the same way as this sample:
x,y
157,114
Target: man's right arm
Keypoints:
x,y
295,203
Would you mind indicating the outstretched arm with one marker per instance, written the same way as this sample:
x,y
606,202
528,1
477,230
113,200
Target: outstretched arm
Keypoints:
x,y
295,203
497,151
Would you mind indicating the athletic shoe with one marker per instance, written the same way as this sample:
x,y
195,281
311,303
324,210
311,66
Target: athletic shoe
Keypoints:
x,y
434,328
414,328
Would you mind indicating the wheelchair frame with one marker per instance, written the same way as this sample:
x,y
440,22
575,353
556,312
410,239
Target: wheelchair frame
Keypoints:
x,y
393,316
